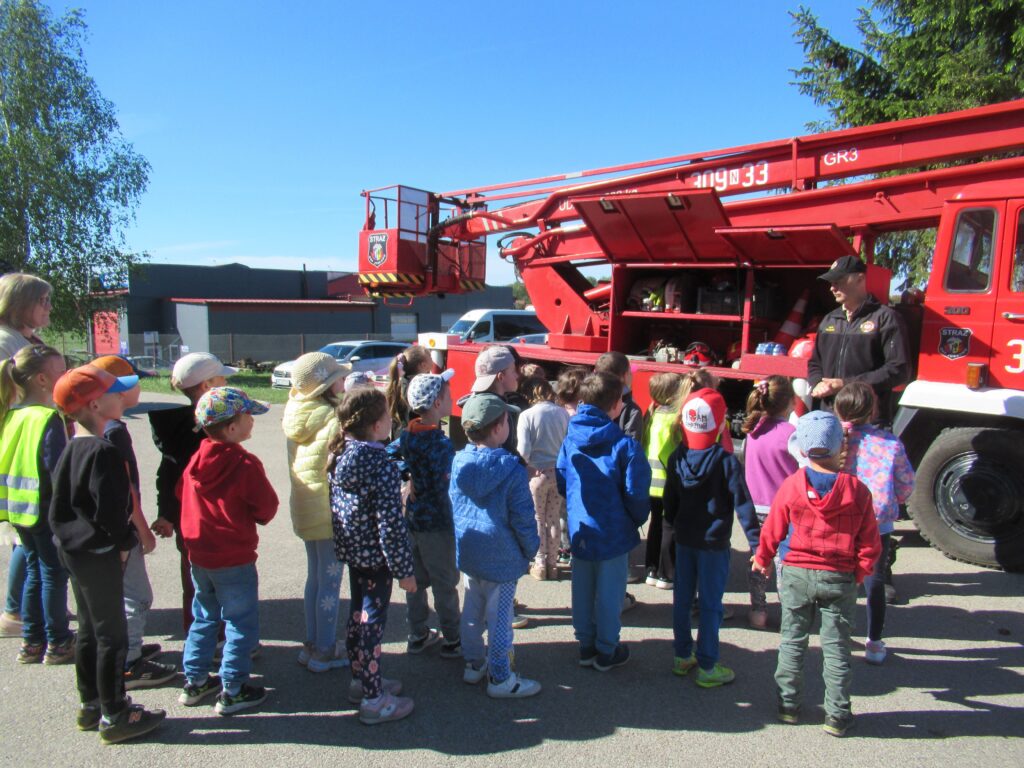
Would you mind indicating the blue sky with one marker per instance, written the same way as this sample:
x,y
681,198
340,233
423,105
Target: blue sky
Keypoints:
x,y
264,120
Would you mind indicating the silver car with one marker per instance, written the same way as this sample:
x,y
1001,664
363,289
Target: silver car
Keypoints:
x,y
360,355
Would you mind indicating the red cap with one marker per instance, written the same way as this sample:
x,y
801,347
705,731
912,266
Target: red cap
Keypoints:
x,y
703,418
80,386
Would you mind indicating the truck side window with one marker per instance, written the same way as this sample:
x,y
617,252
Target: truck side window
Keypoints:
x,y
1018,257
483,328
970,262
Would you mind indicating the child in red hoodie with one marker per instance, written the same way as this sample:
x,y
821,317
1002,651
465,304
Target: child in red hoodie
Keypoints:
x,y
224,495
833,545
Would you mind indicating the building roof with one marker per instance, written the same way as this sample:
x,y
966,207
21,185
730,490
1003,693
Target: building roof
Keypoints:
x,y
282,303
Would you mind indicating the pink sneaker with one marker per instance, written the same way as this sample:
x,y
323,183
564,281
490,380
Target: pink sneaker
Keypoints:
x,y
385,709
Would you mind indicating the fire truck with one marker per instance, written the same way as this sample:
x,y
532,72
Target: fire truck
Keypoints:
x,y
724,248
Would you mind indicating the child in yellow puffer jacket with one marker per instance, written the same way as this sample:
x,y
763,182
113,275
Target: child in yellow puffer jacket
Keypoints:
x,y
309,423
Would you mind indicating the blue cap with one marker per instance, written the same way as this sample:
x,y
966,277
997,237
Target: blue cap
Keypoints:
x,y
819,434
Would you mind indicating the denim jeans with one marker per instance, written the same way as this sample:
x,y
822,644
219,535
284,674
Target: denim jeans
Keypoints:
x,y
805,593
15,581
874,588
44,610
488,605
138,597
230,595
705,572
323,594
598,589
433,558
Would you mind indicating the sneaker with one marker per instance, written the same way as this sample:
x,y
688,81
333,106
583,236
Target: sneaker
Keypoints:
x,y
628,603
539,572
587,656
61,653
682,667
564,557
130,723
88,717
663,583
837,727
652,577
874,651
716,676
390,687
336,658
31,653
788,715
891,596
304,654
758,619
451,649
513,687
10,625
472,675
148,674
387,708
248,696
518,621
193,695
150,651
616,658
420,644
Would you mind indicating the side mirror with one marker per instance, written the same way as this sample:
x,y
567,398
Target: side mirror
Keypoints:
x,y
355,359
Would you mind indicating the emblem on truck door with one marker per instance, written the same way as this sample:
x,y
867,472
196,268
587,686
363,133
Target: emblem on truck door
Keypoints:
x,y
954,343
377,252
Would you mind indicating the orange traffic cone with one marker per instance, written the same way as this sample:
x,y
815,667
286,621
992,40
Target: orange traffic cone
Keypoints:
x,y
794,323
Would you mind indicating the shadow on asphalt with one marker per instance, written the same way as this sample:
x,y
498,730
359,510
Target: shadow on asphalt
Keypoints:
x,y
580,704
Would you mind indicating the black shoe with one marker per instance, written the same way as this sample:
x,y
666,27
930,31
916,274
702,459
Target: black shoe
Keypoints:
x,y
88,718
451,649
420,644
789,715
616,658
588,656
835,727
193,695
130,723
148,674
248,696
151,651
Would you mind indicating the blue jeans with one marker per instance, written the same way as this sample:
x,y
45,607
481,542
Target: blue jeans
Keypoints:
x,y
138,598
323,594
488,605
598,589
15,581
874,588
44,611
230,595
704,571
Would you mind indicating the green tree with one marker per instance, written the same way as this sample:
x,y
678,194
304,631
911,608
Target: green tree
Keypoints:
x,y
71,182
914,58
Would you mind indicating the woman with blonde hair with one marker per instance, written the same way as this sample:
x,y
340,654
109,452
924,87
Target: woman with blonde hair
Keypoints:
x,y
24,309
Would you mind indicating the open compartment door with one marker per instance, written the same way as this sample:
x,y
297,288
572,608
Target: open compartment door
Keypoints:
x,y
766,246
658,227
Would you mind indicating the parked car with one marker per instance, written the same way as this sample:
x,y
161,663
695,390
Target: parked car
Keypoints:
x,y
360,355
486,325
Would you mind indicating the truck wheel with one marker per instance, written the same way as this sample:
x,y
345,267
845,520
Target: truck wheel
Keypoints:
x,y
968,501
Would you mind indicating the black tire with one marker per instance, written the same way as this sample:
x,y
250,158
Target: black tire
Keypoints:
x,y
968,501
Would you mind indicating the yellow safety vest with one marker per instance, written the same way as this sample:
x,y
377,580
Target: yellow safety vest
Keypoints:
x,y
22,434
663,435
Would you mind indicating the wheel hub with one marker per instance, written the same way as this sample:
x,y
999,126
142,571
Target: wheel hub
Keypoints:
x,y
977,496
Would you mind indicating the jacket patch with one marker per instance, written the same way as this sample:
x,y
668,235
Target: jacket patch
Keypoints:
x,y
868,326
954,343
830,328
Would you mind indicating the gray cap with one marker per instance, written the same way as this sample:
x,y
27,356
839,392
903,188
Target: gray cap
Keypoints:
x,y
483,409
489,364
819,434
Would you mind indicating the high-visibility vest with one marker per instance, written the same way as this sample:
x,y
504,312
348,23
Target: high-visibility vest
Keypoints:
x,y
22,434
663,435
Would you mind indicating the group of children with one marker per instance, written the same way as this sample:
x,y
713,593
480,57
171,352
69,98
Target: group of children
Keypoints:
x,y
377,485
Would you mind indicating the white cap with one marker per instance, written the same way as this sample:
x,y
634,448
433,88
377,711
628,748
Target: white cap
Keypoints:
x,y
197,367
489,363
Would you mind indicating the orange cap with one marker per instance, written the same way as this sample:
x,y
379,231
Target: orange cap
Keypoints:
x,y
80,386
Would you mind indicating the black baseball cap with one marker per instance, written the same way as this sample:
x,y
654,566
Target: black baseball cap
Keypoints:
x,y
843,266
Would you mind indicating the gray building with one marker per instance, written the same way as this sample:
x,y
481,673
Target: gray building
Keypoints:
x,y
239,312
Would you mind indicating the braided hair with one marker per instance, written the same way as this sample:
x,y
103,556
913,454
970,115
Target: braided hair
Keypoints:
x,y
358,411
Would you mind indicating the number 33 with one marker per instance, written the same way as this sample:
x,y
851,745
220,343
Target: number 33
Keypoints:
x,y
1018,356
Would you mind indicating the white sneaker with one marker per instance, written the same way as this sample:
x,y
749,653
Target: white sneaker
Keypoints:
x,y
513,687
336,658
874,651
304,654
472,675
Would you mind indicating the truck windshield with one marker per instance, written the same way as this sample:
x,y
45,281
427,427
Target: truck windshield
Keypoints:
x,y
461,326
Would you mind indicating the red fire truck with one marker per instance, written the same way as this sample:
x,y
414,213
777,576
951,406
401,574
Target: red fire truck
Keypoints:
x,y
686,266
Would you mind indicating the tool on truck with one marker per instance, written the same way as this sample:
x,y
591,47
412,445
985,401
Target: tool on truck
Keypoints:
x,y
726,280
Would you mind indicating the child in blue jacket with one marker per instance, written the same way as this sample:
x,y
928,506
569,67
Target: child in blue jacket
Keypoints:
x,y
495,540
606,481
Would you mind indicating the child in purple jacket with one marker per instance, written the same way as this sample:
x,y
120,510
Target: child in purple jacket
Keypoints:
x,y
770,456
878,459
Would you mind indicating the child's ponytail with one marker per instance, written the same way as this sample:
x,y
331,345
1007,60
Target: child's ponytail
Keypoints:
x,y
415,359
770,398
16,372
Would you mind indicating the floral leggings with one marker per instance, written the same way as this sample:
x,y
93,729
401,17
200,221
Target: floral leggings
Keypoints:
x,y
370,598
549,505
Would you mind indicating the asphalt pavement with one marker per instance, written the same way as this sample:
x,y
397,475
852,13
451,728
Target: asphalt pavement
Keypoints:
x,y
951,692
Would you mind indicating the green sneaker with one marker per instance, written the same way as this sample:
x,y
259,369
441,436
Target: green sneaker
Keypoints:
x,y
682,667
717,676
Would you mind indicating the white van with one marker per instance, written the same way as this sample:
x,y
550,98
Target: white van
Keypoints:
x,y
486,325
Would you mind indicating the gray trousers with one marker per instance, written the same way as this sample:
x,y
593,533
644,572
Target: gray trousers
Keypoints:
x,y
138,597
433,556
